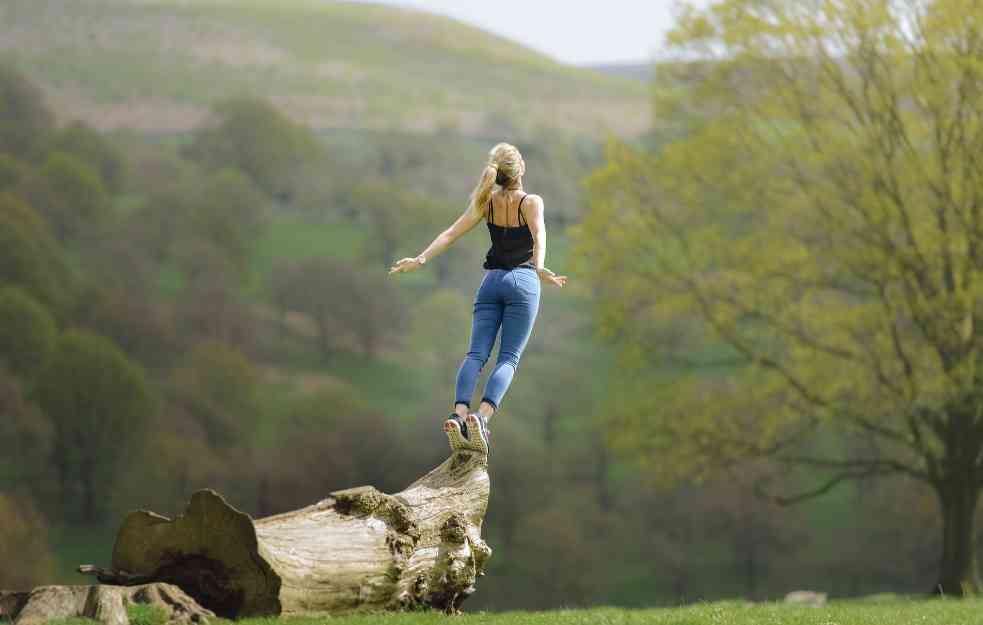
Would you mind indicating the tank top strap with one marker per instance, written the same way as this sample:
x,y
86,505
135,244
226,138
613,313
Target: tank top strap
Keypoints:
x,y
491,211
521,219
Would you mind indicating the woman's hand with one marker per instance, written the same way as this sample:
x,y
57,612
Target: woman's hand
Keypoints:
x,y
552,278
408,264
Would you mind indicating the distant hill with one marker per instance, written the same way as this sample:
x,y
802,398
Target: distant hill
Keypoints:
x,y
155,65
636,71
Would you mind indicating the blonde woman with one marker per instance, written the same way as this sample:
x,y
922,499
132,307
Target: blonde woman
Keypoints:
x,y
508,297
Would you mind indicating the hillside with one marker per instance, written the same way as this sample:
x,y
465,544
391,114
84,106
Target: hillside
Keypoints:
x,y
155,65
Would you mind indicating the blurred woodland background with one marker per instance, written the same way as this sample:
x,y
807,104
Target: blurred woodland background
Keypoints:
x,y
199,202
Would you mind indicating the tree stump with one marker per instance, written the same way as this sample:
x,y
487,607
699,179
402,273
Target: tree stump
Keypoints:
x,y
359,548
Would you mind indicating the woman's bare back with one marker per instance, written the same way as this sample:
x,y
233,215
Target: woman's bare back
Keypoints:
x,y
505,208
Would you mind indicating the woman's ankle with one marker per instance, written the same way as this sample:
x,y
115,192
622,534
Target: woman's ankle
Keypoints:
x,y
461,410
486,410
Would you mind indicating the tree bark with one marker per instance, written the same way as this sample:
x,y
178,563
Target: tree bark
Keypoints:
x,y
359,548
958,570
106,604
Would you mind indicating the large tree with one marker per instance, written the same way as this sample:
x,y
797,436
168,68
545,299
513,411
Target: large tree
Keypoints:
x,y
27,332
98,402
252,135
812,218
30,257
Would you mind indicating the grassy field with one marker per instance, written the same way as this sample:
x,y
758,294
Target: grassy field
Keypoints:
x,y
892,611
156,65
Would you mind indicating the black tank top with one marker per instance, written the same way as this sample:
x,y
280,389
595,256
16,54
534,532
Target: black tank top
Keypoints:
x,y
510,247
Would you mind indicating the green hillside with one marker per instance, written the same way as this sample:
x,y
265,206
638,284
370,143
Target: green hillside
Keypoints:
x,y
155,65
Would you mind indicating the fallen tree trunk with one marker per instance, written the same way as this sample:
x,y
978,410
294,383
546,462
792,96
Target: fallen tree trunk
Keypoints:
x,y
359,548
106,604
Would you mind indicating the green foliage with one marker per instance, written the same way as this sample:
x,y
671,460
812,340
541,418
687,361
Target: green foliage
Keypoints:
x,y
23,543
26,435
29,257
99,403
815,212
788,222
396,214
27,332
12,172
317,428
71,195
343,301
90,147
230,213
24,117
217,385
253,136
436,337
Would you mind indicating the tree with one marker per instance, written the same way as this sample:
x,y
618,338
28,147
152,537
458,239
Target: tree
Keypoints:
x,y
341,300
98,402
25,121
358,548
27,332
26,435
229,212
305,461
23,543
252,135
813,223
211,305
217,385
70,193
437,334
29,257
396,215
12,172
90,147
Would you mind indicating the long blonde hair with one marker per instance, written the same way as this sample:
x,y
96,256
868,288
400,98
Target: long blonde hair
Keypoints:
x,y
505,164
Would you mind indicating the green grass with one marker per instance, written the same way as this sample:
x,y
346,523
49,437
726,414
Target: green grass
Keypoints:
x,y
141,614
847,612
292,238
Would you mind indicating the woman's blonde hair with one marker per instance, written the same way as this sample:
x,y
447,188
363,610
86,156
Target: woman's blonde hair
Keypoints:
x,y
505,164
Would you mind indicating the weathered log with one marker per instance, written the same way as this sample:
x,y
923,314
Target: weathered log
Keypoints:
x,y
106,604
359,548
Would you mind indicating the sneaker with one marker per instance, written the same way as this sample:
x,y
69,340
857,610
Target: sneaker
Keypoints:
x,y
480,438
457,432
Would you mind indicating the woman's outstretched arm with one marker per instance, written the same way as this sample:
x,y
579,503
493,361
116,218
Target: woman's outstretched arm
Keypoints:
x,y
468,220
533,213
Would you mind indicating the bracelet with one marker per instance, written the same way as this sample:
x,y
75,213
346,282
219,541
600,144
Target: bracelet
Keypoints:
x,y
421,259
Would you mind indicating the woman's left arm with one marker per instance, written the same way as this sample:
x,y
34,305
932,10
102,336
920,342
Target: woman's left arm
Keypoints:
x,y
461,226
533,212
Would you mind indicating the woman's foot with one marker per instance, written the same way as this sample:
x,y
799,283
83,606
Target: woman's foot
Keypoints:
x,y
457,432
480,438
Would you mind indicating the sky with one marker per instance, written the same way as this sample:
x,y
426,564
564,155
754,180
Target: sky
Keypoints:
x,y
572,31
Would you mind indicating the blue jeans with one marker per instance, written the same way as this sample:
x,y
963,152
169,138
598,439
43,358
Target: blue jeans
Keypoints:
x,y
508,300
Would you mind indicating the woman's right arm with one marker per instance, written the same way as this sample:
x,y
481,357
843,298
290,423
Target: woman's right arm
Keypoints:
x,y
461,226
471,216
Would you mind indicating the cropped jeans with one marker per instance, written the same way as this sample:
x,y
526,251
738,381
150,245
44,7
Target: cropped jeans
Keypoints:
x,y
506,299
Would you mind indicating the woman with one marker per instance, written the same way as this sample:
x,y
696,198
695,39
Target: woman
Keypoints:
x,y
508,297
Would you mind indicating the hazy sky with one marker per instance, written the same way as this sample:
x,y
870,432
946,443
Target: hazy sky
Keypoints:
x,y
574,31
